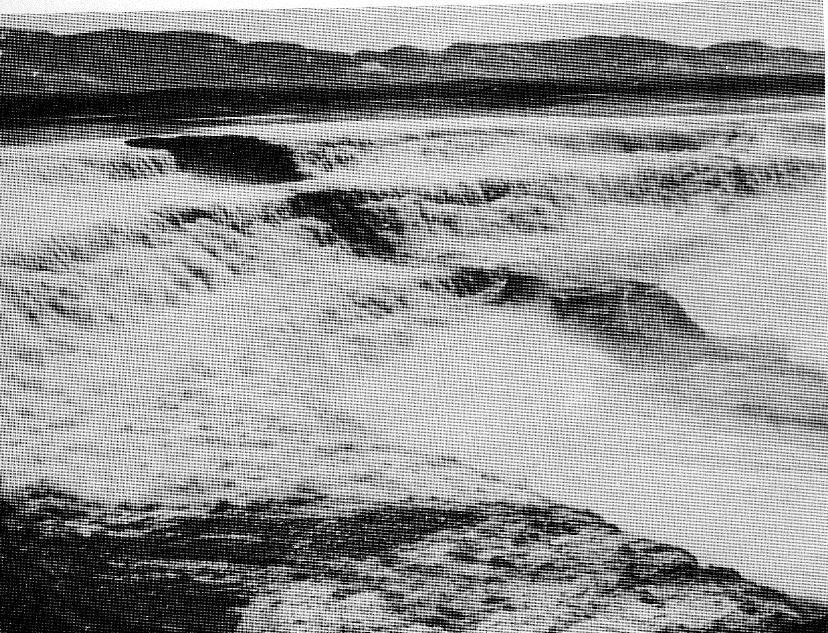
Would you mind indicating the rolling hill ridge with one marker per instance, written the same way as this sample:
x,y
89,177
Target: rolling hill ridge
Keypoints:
x,y
42,63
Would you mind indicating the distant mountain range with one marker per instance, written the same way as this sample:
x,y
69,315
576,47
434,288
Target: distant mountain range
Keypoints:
x,y
41,63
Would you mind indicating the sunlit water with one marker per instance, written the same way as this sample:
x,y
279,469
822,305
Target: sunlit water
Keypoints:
x,y
141,304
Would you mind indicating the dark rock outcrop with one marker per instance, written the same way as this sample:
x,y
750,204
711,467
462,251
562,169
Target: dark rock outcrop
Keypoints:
x,y
311,563
243,158
623,310
287,522
630,311
360,218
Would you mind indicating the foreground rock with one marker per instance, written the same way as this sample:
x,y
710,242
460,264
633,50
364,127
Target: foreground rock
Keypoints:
x,y
368,539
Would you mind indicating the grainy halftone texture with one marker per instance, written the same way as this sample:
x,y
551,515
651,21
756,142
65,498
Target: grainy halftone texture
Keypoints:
x,y
519,335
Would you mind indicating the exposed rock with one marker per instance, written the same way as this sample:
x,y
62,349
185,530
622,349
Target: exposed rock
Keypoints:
x,y
358,217
244,158
626,310
622,310
378,540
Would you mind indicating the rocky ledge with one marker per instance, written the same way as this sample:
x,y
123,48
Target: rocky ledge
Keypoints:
x,y
378,540
243,158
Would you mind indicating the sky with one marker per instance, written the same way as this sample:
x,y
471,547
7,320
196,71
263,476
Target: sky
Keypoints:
x,y
349,28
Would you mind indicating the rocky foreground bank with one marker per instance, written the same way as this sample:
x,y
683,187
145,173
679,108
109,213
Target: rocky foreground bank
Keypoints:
x,y
368,538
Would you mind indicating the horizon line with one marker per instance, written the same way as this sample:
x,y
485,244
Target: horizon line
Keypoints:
x,y
443,48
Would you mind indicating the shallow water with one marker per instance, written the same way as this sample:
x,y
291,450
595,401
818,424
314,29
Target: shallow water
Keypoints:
x,y
142,305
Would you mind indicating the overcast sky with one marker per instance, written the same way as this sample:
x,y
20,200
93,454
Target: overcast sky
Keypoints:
x,y
776,22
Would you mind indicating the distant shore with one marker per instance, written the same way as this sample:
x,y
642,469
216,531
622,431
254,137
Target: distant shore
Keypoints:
x,y
159,105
